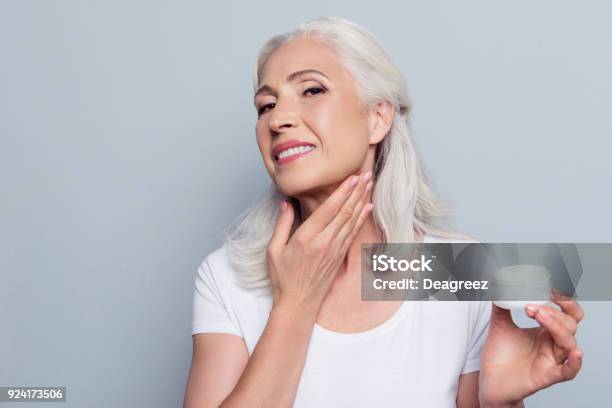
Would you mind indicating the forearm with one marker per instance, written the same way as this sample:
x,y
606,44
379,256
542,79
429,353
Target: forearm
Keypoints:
x,y
273,372
519,404
484,404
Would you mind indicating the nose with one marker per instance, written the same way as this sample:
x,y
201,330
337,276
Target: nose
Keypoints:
x,y
282,118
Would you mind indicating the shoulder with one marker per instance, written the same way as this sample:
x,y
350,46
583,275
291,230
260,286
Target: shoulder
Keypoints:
x,y
217,268
219,257
221,296
216,274
217,261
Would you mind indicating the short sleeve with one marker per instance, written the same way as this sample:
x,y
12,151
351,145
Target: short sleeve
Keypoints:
x,y
211,312
479,332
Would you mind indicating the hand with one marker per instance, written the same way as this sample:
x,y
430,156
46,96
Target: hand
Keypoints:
x,y
303,266
517,362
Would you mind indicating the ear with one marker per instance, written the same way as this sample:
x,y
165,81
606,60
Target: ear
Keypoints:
x,y
380,119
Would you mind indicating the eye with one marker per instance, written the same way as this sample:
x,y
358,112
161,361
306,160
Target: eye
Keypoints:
x,y
264,109
315,90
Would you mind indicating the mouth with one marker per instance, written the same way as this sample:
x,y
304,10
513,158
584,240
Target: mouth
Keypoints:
x,y
293,153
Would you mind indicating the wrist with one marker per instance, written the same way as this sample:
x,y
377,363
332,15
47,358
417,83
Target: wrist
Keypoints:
x,y
304,309
295,314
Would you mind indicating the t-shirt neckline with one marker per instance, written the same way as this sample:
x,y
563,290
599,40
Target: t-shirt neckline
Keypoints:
x,y
375,331
320,331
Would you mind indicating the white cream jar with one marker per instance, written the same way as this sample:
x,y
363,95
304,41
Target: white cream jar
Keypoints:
x,y
521,282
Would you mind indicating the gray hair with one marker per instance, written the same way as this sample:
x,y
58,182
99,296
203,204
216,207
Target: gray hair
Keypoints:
x,y
401,193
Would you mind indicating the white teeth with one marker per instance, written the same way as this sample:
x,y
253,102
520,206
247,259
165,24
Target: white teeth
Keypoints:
x,y
294,150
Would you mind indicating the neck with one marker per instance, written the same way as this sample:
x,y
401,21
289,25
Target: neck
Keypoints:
x,y
346,283
368,233
308,204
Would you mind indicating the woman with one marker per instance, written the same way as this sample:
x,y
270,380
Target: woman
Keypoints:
x,y
278,318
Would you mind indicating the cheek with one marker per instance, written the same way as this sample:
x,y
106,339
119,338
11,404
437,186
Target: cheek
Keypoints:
x,y
342,131
339,108
262,140
264,144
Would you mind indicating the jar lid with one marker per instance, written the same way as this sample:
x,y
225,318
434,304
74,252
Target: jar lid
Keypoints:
x,y
522,274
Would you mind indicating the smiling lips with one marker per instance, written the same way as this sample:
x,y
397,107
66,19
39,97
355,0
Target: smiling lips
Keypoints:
x,y
291,150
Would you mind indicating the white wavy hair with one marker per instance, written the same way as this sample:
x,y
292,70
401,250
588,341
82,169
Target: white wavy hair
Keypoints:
x,y
401,193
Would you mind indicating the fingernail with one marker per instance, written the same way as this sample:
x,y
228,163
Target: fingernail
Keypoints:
x,y
354,181
367,176
580,355
531,309
283,205
369,186
544,314
369,207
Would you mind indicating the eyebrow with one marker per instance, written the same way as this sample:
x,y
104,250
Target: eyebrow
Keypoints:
x,y
290,77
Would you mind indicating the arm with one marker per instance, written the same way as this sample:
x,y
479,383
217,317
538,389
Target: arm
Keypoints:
x,y
217,362
273,372
301,267
222,375
467,391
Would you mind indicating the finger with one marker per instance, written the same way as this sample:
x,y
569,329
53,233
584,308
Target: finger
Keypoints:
x,y
560,334
282,230
567,320
570,368
365,211
348,210
344,222
326,212
360,213
531,310
573,364
571,307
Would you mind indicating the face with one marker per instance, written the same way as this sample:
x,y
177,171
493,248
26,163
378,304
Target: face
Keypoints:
x,y
307,98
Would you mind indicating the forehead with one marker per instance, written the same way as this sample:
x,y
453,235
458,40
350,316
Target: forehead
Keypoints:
x,y
302,53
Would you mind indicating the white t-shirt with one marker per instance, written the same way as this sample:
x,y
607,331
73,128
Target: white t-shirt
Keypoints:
x,y
414,359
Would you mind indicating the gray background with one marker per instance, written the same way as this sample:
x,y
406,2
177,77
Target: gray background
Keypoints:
x,y
128,144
